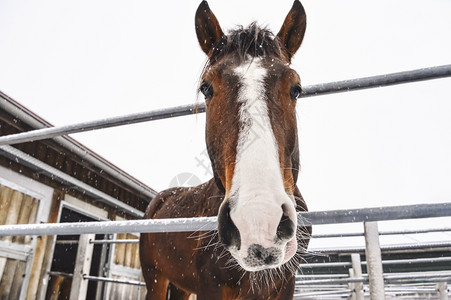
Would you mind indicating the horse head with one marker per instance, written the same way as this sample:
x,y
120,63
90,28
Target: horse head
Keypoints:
x,y
251,134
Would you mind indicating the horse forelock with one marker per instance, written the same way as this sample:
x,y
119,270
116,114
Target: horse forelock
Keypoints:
x,y
253,41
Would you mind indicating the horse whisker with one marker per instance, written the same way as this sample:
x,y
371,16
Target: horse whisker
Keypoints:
x,y
201,235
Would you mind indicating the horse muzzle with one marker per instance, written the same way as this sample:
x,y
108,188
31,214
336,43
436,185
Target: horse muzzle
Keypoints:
x,y
258,236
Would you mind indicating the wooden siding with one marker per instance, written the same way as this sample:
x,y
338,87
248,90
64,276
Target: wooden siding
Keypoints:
x,y
42,260
127,256
15,208
126,292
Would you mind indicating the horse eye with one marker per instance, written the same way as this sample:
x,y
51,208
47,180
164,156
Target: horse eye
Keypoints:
x,y
295,91
206,89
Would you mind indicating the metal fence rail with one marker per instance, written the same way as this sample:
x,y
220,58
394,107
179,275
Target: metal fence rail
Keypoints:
x,y
99,278
210,223
308,91
377,81
441,276
113,280
385,248
375,214
384,262
393,232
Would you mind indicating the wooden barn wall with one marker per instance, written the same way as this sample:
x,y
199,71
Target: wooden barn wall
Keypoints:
x,y
126,257
38,287
15,208
19,208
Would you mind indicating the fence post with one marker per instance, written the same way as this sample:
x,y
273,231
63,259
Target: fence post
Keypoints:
x,y
374,261
351,285
357,267
442,288
79,285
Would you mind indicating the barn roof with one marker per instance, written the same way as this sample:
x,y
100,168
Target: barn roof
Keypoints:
x,y
67,155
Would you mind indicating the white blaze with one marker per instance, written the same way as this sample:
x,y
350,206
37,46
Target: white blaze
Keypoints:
x,y
257,163
257,181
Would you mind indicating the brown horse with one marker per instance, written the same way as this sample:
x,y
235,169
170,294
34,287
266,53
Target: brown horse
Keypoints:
x,y
251,135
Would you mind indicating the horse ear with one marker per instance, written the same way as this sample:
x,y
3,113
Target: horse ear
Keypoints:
x,y
293,29
207,27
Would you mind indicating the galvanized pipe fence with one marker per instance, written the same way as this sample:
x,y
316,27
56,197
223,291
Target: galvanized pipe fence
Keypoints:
x,y
361,286
338,284
368,216
88,229
395,285
388,278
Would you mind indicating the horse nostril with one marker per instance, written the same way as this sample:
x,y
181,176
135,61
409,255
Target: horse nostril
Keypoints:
x,y
229,234
286,228
270,259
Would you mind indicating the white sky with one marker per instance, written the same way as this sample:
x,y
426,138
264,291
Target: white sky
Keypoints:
x,y
73,61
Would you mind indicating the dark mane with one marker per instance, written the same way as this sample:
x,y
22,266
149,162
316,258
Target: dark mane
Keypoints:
x,y
253,40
